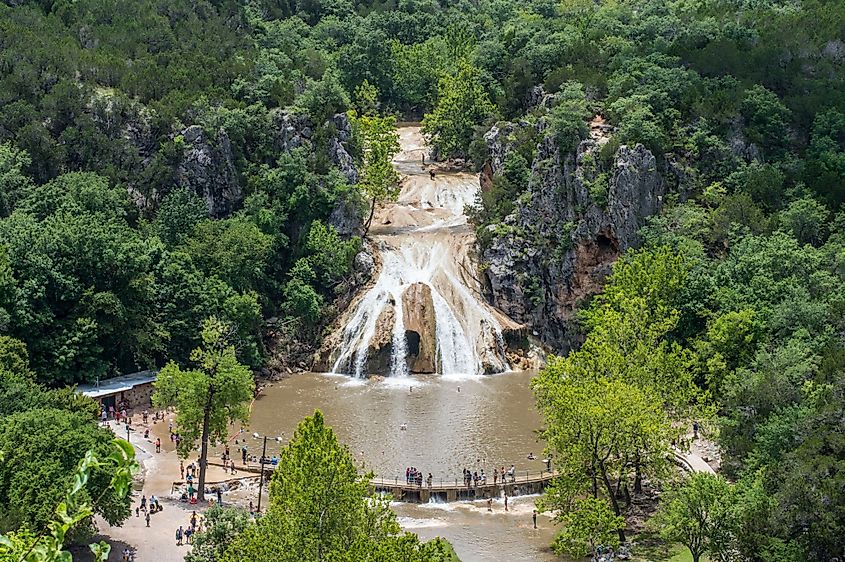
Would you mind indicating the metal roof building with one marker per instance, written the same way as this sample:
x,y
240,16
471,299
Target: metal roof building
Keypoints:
x,y
117,384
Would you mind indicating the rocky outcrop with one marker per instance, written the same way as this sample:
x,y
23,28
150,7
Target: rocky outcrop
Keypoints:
x,y
293,130
579,212
420,328
381,346
207,163
207,168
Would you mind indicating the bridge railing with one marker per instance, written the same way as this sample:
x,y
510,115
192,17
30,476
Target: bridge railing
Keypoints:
x,y
520,477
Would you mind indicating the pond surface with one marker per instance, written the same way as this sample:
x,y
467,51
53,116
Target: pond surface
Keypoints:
x,y
450,423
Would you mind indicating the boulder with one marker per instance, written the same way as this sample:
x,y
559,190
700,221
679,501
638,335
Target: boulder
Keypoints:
x,y
381,346
420,328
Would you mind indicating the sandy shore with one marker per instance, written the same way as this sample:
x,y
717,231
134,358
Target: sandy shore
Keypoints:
x,y
159,472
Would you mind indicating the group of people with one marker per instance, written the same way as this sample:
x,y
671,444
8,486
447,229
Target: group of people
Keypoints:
x,y
114,413
472,479
187,535
415,476
153,507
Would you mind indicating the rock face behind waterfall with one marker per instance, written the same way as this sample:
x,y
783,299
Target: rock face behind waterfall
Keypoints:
x,y
580,210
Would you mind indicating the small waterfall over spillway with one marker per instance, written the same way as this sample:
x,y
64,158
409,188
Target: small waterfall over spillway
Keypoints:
x,y
424,312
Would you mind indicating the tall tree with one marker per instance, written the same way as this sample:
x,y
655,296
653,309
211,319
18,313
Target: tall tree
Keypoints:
x,y
606,433
379,179
209,397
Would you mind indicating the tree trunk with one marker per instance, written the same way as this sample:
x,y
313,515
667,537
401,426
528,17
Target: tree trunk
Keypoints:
x,y
370,219
204,445
638,475
613,501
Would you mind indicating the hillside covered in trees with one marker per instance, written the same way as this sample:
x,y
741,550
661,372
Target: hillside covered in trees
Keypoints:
x,y
163,161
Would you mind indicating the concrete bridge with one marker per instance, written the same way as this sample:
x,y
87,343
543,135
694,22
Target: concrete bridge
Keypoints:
x,y
454,490
442,490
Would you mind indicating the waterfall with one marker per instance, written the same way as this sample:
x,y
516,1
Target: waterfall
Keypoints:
x,y
424,242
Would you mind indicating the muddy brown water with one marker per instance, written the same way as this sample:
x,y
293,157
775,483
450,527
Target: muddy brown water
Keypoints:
x,y
451,423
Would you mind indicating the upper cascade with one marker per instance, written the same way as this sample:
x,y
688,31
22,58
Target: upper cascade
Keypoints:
x,y
424,313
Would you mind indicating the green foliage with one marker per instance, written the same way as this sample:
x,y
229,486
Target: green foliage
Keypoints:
x,y
14,183
321,509
331,256
74,508
699,514
301,299
379,181
209,397
806,220
222,526
767,119
569,115
589,525
177,216
826,167
462,104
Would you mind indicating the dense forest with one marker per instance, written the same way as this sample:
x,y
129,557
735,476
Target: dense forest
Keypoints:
x,y
165,161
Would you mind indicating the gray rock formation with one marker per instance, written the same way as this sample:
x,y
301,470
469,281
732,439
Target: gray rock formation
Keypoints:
x,y
208,169
577,215
292,130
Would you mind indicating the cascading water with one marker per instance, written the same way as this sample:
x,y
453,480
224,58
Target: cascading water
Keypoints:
x,y
424,289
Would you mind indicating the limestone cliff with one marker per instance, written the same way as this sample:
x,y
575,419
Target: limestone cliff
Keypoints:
x,y
206,163
207,168
579,211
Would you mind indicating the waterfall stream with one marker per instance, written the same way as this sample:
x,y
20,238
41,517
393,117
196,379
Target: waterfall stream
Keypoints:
x,y
424,312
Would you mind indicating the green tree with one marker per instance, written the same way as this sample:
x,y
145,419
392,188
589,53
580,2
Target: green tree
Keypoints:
x,y
42,445
587,526
209,397
222,526
321,509
330,256
462,104
14,183
74,508
826,168
698,513
379,179
605,433
178,214
301,299
767,119
569,116
806,220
